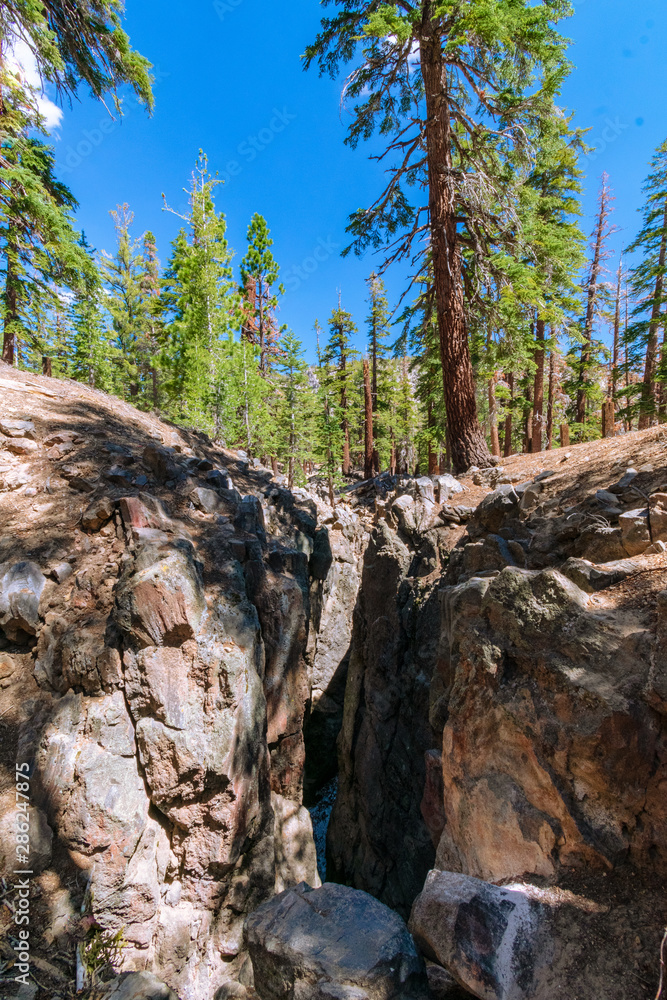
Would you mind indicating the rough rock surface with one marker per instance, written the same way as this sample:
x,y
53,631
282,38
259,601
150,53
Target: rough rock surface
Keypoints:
x,y
332,942
138,986
378,839
158,638
518,942
551,751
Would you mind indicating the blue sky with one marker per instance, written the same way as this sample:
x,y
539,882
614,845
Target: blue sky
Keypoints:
x,y
230,81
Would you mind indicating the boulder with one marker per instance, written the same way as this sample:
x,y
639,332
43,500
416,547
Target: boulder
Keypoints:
x,y
332,942
425,488
591,578
635,531
137,986
21,586
160,461
40,833
494,509
17,428
600,544
658,513
206,500
21,446
143,512
82,484
518,941
118,476
219,480
98,514
404,509
446,486
442,985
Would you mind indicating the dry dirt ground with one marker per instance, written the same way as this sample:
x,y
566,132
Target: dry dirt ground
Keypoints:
x,y
41,521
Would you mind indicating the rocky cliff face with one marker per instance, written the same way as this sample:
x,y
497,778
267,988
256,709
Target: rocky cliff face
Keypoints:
x,y
184,643
165,610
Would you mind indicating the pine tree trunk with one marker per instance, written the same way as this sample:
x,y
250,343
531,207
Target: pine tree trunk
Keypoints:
x,y
528,425
538,388
47,367
262,356
550,403
11,314
368,436
564,436
468,446
493,417
648,398
508,419
156,397
608,424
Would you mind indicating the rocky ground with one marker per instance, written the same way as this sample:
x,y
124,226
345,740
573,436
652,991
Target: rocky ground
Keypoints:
x,y
189,652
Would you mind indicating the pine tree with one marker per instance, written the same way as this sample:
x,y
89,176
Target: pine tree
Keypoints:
x,y
78,42
201,309
552,234
378,334
125,300
92,357
648,284
259,272
149,282
329,433
38,243
338,356
295,406
486,79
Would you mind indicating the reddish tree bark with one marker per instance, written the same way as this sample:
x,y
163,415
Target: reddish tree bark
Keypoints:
x,y
508,419
467,444
538,388
550,403
493,417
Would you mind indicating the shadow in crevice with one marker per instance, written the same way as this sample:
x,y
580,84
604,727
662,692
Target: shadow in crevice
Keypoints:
x,y
321,728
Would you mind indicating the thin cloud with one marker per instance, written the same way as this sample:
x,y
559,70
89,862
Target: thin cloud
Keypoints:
x,y
22,63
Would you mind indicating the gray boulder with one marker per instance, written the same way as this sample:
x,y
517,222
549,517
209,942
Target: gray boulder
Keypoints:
x,y
332,942
493,510
206,500
21,587
635,531
17,428
519,942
